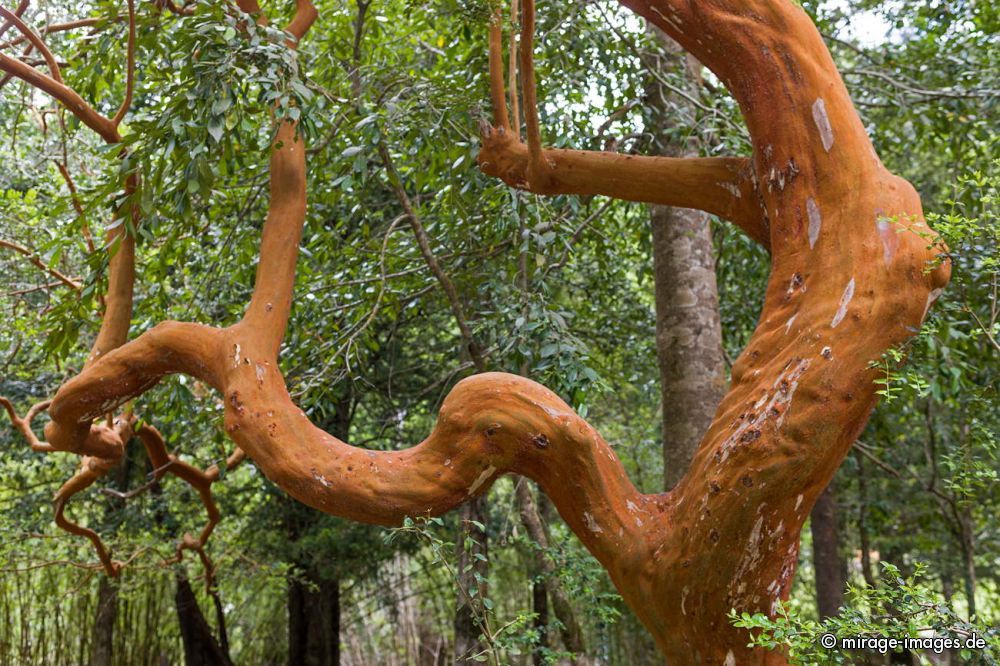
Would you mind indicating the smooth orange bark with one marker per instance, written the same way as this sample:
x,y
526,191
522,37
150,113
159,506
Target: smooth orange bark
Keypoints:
x,y
841,292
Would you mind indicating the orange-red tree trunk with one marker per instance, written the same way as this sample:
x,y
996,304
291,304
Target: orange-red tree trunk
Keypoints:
x,y
850,278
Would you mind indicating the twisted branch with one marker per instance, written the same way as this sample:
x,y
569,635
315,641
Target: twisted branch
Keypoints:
x,y
723,186
36,41
35,260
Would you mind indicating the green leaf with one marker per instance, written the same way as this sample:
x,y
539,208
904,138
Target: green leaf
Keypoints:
x,y
216,126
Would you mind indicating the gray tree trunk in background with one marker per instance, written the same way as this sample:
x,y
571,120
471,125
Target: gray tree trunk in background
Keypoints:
x,y
688,329
830,568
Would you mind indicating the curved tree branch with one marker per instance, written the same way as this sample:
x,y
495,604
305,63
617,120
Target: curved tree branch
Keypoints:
x,y
164,463
843,289
722,186
52,28
41,265
23,425
36,41
67,96
21,7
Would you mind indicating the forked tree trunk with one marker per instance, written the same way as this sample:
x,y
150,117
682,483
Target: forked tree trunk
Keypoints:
x,y
850,278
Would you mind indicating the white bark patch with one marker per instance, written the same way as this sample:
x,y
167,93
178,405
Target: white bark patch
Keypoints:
x,y
260,370
890,240
822,123
931,297
798,502
732,188
236,355
591,524
815,221
752,555
845,300
788,324
322,479
730,659
481,479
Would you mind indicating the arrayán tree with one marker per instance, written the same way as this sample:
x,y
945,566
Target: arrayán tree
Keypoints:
x,y
854,270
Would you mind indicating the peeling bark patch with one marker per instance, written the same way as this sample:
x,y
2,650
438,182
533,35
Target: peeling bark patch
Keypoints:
x,y
890,239
778,178
234,400
631,506
260,371
752,556
845,300
481,479
797,282
788,324
827,353
798,502
732,188
730,659
774,404
591,524
540,441
236,355
822,123
815,221
322,479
